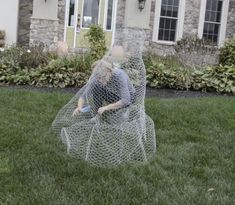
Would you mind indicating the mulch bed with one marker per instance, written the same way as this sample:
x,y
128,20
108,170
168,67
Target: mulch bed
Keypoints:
x,y
150,92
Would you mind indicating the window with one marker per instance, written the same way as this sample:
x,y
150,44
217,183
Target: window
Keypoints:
x,y
109,15
169,17
168,20
71,13
213,20
90,13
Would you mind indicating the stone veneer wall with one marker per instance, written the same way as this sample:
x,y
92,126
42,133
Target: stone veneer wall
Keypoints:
x,y
49,32
25,13
191,22
61,17
191,18
2,38
119,21
44,31
231,20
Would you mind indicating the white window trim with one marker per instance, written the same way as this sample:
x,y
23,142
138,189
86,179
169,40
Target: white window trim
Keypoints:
x,y
223,23
114,21
105,15
66,23
180,23
75,23
66,19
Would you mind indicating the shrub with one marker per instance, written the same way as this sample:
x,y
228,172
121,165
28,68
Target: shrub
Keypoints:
x,y
96,39
163,73
8,75
36,56
220,79
227,53
21,57
12,57
58,74
80,63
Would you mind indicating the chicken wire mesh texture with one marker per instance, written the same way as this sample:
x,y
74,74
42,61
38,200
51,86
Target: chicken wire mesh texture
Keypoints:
x,y
117,136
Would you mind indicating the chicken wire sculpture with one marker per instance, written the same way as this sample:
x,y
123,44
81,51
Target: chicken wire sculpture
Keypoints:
x,y
118,136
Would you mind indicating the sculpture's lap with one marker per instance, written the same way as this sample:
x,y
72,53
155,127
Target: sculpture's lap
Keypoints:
x,y
100,145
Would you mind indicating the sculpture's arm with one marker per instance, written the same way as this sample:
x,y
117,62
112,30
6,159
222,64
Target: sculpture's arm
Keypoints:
x,y
125,98
81,102
111,106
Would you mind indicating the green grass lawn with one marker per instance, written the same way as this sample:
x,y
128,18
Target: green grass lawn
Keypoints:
x,y
194,163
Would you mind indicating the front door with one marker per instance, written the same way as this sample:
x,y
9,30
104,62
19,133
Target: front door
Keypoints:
x,y
80,14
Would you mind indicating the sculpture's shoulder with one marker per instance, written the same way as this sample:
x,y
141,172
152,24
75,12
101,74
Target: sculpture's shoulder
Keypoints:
x,y
120,73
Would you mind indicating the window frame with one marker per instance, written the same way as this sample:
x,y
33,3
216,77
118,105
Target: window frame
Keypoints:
x,y
223,22
83,12
106,15
179,25
67,14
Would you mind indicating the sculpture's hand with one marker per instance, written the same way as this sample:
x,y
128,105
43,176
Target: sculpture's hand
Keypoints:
x,y
76,111
101,110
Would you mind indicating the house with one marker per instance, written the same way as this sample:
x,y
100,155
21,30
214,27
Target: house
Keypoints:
x,y
15,20
164,21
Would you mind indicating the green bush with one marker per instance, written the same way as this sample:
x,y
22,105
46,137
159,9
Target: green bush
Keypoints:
x,y
220,79
161,75
58,74
9,75
19,57
162,72
12,57
169,74
80,63
227,53
36,56
96,39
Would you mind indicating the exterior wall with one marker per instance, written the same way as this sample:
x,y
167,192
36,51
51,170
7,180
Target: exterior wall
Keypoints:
x,y
45,23
231,20
120,18
61,17
25,13
9,20
51,29
45,9
44,31
160,49
2,39
136,18
191,24
191,19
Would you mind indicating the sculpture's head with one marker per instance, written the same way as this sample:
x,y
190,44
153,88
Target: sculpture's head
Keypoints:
x,y
102,71
118,56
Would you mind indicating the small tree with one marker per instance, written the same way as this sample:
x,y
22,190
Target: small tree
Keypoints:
x,y
96,39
